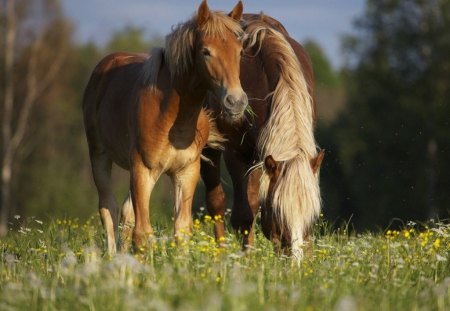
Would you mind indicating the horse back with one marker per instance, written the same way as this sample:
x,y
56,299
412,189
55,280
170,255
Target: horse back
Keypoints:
x,y
107,104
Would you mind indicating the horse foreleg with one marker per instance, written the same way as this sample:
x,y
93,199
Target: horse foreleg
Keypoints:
x,y
215,196
185,182
141,186
253,200
127,221
101,170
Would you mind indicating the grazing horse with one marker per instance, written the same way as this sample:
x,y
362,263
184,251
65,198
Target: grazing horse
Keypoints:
x,y
144,113
271,155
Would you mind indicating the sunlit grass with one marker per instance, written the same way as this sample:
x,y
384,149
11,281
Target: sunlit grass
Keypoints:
x,y
61,266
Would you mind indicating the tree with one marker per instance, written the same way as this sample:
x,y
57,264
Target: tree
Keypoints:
x,y
132,39
328,87
34,48
393,135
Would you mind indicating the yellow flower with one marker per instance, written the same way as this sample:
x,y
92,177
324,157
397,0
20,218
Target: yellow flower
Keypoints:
x,y
437,243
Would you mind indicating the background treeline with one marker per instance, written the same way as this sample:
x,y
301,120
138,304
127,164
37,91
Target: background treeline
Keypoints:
x,y
383,118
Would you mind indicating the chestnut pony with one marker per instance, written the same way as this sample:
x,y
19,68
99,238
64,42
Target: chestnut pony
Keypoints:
x,y
144,113
272,155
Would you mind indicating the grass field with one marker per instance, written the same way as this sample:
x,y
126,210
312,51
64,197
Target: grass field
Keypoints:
x,y
60,266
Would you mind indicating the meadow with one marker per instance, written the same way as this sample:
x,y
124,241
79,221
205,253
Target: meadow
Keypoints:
x,y
60,265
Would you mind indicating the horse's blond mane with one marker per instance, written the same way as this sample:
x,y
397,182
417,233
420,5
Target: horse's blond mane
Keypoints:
x,y
288,137
180,43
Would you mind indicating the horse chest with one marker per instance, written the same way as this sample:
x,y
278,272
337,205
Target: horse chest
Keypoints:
x,y
166,157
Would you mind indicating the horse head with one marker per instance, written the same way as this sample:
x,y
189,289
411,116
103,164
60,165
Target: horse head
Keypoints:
x,y
272,224
218,59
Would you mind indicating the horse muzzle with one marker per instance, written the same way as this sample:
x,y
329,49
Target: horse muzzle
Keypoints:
x,y
234,106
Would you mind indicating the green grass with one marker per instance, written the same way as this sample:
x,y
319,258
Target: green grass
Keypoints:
x,y
60,266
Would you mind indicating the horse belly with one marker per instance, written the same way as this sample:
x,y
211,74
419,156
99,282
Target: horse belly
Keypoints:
x,y
113,126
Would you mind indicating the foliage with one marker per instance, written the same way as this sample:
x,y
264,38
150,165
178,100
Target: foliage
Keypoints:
x,y
132,39
329,94
391,141
52,176
325,76
60,265
34,53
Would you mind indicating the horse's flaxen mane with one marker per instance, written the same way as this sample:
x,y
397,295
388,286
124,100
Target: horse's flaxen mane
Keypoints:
x,y
215,139
288,136
180,43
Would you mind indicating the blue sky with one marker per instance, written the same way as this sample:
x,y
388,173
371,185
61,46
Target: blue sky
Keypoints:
x,y
325,21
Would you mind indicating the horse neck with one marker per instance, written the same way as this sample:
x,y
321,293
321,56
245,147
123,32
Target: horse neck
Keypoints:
x,y
191,98
185,109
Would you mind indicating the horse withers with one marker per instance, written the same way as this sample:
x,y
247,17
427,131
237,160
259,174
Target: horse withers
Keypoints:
x,y
144,113
272,156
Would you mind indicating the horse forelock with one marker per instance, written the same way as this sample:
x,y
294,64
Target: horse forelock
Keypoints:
x,y
288,136
295,198
180,43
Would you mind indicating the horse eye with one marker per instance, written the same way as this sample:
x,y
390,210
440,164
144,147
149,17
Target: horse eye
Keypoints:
x,y
206,52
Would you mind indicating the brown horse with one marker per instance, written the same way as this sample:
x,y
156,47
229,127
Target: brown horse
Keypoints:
x,y
144,113
272,155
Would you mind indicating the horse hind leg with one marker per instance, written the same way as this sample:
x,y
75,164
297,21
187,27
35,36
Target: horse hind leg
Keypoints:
x,y
253,201
101,169
127,222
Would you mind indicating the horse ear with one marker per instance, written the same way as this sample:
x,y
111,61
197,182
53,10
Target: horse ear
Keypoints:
x,y
317,161
270,165
203,13
237,11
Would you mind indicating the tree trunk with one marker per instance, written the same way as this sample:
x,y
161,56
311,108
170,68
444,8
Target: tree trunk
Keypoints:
x,y
7,158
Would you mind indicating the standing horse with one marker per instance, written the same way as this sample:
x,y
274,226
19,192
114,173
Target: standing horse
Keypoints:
x,y
144,113
276,137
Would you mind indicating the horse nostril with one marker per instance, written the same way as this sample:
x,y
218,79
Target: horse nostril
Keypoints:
x,y
230,101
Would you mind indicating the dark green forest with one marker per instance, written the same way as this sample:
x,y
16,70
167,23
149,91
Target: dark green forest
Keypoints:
x,y
383,117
